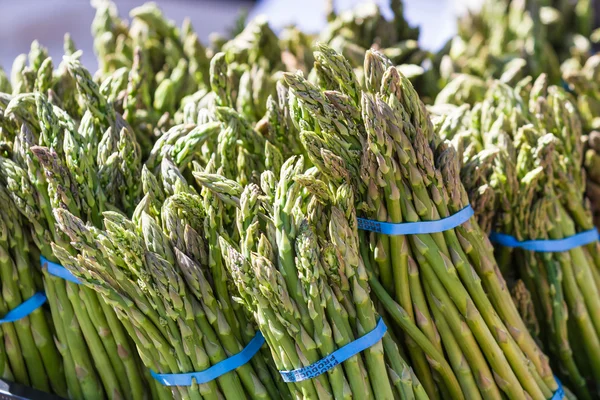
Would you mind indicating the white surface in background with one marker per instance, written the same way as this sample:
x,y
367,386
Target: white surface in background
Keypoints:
x,y
23,21
437,18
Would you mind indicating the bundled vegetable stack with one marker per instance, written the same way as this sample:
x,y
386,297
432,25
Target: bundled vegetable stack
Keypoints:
x,y
147,67
205,202
512,39
365,27
28,351
582,81
522,167
300,273
155,272
63,177
505,40
402,172
99,357
522,159
157,75
56,161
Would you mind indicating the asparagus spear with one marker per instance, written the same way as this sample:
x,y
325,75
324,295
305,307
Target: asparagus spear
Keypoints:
x,y
6,368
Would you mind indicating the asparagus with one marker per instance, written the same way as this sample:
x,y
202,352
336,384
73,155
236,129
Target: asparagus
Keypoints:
x,y
166,278
6,368
530,157
158,257
580,80
229,337
338,302
59,182
16,252
417,178
12,333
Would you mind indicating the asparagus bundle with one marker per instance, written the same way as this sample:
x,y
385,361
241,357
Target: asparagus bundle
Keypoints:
x,y
170,59
147,67
512,39
157,75
353,31
156,274
112,181
447,282
30,355
99,360
582,80
241,69
506,40
299,271
523,157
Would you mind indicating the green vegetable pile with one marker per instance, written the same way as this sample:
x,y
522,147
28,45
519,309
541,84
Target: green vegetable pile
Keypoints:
x,y
528,148
522,164
203,196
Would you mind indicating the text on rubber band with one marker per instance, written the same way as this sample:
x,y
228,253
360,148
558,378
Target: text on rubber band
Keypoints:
x,y
337,357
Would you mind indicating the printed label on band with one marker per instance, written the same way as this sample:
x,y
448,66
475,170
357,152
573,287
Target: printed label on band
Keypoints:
x,y
25,308
58,270
212,373
337,357
560,392
417,228
547,245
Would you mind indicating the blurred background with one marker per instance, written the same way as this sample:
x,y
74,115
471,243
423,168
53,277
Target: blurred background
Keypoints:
x,y
22,21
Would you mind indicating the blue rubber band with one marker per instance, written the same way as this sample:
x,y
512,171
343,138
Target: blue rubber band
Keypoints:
x,y
417,228
212,373
337,357
58,270
25,308
547,246
560,392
